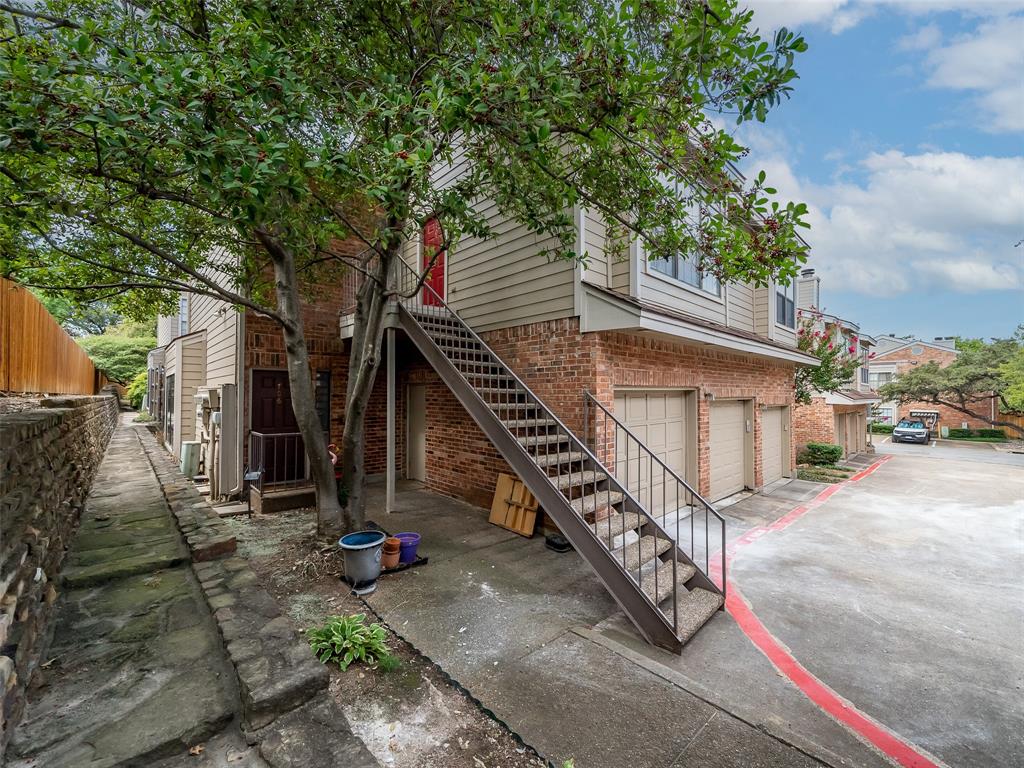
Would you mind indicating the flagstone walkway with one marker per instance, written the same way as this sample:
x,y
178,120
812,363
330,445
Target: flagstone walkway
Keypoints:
x,y
137,672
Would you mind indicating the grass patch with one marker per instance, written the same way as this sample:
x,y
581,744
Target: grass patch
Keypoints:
x,y
831,473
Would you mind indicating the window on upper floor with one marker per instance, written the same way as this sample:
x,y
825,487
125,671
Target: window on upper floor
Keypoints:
x,y
182,315
877,379
686,269
863,375
785,305
917,350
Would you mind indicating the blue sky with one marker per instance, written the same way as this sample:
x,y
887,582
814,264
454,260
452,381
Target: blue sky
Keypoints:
x,y
905,135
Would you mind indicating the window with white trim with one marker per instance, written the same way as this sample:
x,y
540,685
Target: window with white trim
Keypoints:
x,y
182,314
785,305
686,269
878,378
863,375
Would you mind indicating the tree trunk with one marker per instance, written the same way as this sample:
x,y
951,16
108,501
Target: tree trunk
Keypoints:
x,y
364,360
300,382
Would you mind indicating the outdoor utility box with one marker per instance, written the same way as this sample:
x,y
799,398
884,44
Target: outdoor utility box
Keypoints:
x,y
944,431
190,458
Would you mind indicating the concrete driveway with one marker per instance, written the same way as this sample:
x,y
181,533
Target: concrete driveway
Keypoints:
x,y
904,594
946,450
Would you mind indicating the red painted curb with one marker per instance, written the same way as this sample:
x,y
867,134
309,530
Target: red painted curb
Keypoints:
x,y
842,711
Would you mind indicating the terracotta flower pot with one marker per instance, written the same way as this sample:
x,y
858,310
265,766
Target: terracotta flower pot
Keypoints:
x,y
392,551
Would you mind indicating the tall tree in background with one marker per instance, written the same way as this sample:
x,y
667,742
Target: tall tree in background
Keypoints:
x,y
986,381
225,148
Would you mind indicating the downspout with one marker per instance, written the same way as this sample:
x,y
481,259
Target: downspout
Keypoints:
x,y
240,400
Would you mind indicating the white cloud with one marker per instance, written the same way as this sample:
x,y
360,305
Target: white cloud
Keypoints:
x,y
914,222
989,61
924,39
840,15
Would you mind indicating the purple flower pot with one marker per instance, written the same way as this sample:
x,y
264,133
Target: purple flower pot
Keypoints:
x,y
410,541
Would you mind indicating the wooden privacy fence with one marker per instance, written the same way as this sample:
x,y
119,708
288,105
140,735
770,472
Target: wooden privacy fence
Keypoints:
x,y
36,354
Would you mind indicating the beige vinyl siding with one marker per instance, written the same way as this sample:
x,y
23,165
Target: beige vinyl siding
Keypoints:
x,y
785,336
594,242
505,280
806,291
191,377
740,298
763,317
167,328
675,295
221,323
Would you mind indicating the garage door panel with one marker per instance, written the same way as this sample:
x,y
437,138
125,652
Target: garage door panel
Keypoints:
x,y
771,445
728,461
657,419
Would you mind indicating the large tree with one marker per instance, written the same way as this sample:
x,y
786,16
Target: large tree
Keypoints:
x,y
225,148
985,379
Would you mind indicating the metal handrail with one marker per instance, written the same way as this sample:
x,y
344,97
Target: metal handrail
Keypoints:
x,y
588,400
406,295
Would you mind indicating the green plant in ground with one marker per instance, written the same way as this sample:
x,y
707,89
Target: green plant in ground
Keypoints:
x,y
137,389
958,433
998,433
819,475
345,639
820,453
878,428
142,418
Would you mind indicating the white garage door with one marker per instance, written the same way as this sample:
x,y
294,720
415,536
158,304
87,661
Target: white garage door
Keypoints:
x,y
771,445
658,420
728,465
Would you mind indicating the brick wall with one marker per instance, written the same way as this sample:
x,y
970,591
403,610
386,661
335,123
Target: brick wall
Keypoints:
x,y
559,363
905,360
48,459
264,346
814,423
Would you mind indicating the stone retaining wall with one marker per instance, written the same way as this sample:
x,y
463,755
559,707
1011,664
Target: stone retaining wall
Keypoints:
x,y
48,458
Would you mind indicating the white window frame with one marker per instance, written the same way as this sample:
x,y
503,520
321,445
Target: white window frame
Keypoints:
x,y
788,294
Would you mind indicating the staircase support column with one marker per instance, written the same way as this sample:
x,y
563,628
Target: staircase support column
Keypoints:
x,y
389,495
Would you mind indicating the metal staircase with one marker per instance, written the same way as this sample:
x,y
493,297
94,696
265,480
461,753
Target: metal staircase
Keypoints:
x,y
653,576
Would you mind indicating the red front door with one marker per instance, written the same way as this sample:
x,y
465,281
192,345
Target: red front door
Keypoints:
x,y
433,287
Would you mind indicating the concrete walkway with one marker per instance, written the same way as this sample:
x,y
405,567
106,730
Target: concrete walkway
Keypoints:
x,y
513,623
136,669
141,673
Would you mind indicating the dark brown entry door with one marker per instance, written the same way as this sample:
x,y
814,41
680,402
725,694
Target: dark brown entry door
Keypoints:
x,y
277,449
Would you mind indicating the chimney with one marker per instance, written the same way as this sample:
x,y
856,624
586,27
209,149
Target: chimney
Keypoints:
x,y
808,290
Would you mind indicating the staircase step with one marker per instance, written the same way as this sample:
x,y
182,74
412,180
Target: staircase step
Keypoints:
x,y
614,525
663,589
530,440
524,407
492,377
587,477
501,391
634,556
529,423
584,505
564,457
694,609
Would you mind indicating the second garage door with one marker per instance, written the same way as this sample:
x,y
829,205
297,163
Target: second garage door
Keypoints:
x,y
772,459
728,453
658,419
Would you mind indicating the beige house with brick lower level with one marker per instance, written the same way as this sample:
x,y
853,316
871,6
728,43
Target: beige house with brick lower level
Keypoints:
x,y
839,418
706,369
